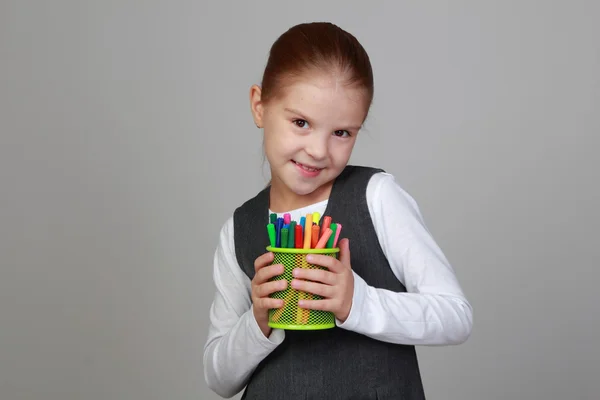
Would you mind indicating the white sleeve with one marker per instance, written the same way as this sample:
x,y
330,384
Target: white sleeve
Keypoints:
x,y
434,310
235,344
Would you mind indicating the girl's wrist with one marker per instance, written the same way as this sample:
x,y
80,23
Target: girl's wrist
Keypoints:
x,y
267,332
263,324
265,328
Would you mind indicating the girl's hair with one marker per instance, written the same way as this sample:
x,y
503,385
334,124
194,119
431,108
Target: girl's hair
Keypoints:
x,y
316,47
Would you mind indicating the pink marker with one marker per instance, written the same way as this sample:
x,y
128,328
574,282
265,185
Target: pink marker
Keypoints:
x,y
287,218
337,235
324,238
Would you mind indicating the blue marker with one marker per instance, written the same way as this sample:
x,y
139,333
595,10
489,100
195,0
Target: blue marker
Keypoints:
x,y
279,227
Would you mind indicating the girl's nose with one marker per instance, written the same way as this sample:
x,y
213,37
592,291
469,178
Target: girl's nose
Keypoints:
x,y
317,147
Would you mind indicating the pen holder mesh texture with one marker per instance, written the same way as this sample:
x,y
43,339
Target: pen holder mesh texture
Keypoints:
x,y
290,316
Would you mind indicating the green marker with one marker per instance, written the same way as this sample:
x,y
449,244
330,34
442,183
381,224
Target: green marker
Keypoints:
x,y
284,237
273,218
333,228
290,243
271,230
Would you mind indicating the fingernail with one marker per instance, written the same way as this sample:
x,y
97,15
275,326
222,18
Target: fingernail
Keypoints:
x,y
309,258
295,272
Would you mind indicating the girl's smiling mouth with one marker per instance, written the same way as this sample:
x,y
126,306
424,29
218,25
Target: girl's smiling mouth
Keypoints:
x,y
307,170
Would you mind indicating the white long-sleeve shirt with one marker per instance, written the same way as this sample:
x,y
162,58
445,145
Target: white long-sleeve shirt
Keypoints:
x,y
433,311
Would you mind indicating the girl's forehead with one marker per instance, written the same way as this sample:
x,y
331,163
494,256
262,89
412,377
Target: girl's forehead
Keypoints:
x,y
326,96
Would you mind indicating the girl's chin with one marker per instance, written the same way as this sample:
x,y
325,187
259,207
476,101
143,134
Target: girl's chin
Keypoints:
x,y
299,189
303,190
298,185
309,190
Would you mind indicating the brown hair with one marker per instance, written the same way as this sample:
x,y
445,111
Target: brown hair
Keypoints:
x,y
312,47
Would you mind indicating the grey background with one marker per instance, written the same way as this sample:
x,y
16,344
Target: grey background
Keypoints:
x,y
126,141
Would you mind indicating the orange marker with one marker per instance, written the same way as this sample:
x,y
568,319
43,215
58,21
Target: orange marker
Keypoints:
x,y
308,231
326,224
324,238
315,236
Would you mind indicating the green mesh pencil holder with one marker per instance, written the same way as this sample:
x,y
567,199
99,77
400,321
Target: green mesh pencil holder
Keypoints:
x,y
290,316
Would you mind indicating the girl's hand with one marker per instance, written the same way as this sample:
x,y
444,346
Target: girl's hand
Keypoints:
x,y
262,288
336,285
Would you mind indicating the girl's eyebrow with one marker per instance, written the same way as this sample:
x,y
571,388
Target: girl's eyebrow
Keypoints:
x,y
290,110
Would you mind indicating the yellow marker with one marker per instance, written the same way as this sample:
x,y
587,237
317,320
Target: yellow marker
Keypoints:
x,y
316,217
308,231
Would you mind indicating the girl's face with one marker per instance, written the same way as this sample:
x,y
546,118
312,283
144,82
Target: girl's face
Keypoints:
x,y
309,133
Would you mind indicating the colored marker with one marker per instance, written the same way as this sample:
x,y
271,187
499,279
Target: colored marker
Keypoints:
x,y
278,231
273,218
271,231
303,222
333,228
337,235
308,231
291,234
284,237
324,238
284,226
314,236
287,218
326,223
316,218
298,237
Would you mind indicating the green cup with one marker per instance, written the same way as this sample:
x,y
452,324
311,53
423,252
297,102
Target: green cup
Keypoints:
x,y
290,316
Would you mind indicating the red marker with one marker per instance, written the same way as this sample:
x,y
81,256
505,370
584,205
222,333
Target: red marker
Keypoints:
x,y
298,237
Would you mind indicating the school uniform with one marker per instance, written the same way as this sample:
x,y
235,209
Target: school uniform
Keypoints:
x,y
405,294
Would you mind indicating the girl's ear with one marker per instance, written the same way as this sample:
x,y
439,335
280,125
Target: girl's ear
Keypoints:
x,y
256,106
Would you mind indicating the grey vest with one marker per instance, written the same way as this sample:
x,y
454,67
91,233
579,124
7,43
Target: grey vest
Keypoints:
x,y
335,363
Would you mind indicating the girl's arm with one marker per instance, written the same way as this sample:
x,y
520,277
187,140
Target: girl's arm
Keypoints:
x,y
235,343
434,311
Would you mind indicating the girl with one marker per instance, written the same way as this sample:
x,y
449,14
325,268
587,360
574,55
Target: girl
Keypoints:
x,y
391,288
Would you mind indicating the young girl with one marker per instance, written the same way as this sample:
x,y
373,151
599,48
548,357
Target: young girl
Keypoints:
x,y
391,288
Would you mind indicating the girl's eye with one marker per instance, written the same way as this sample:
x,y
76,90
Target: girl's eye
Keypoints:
x,y
300,123
342,133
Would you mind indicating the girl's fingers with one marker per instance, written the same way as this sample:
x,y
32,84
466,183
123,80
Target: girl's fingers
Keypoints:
x,y
268,303
267,288
322,305
266,273
263,261
331,263
344,255
316,275
313,288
